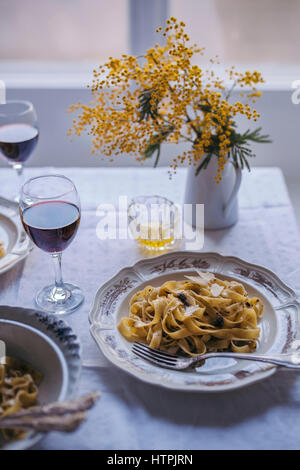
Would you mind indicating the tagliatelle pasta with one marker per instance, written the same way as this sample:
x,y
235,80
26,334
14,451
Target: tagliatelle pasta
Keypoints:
x,y
18,390
2,250
193,316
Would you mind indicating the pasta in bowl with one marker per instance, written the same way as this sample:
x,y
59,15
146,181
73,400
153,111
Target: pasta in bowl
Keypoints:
x,y
19,384
43,355
199,314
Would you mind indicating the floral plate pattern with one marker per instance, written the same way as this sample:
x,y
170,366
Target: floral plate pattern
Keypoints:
x,y
279,326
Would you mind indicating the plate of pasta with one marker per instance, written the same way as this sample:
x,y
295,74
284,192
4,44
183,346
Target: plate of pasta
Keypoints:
x,y
189,303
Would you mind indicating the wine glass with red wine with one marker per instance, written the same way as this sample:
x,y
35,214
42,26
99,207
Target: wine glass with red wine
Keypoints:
x,y
50,214
18,133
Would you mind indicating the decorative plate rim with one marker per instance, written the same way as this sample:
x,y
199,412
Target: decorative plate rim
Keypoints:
x,y
271,280
25,246
59,332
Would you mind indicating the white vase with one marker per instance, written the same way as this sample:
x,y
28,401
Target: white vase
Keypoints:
x,y
220,200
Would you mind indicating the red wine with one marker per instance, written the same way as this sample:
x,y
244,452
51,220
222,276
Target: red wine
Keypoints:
x,y
17,141
51,225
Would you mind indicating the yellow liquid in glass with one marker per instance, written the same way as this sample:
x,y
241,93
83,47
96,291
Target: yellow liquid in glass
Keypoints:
x,y
155,243
155,236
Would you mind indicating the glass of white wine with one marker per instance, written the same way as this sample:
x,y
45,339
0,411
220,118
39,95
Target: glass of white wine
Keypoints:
x,y
153,222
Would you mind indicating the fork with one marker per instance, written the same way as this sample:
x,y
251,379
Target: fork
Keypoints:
x,y
170,361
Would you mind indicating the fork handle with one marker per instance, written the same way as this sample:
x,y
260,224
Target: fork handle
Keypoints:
x,y
289,360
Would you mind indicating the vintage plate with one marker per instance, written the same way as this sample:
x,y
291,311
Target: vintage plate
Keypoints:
x,y
16,243
50,346
278,326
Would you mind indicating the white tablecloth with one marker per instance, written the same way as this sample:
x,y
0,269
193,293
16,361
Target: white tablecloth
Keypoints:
x,y
130,414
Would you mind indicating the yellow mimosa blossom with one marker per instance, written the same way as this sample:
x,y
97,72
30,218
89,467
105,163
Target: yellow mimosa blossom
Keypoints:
x,y
165,97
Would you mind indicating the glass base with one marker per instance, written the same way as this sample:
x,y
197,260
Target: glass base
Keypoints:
x,y
59,300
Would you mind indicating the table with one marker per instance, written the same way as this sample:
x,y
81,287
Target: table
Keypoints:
x,y
133,415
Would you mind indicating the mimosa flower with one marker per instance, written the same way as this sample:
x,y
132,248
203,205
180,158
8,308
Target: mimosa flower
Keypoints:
x,y
163,97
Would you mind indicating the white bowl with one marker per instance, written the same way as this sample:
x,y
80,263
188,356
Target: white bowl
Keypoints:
x,y
50,346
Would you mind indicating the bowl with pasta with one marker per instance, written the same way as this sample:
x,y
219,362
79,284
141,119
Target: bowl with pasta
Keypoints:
x,y
189,303
41,365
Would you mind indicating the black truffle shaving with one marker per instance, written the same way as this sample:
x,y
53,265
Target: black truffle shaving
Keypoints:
x,y
183,299
219,322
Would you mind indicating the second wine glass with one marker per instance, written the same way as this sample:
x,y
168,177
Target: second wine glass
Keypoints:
x,y
18,134
50,213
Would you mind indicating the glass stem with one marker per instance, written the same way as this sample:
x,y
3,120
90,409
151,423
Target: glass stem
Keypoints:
x,y
57,269
59,293
20,175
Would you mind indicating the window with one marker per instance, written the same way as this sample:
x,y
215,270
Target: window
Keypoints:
x,y
243,31
35,31
48,49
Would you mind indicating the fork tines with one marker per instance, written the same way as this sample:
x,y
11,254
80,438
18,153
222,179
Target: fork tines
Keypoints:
x,y
154,355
